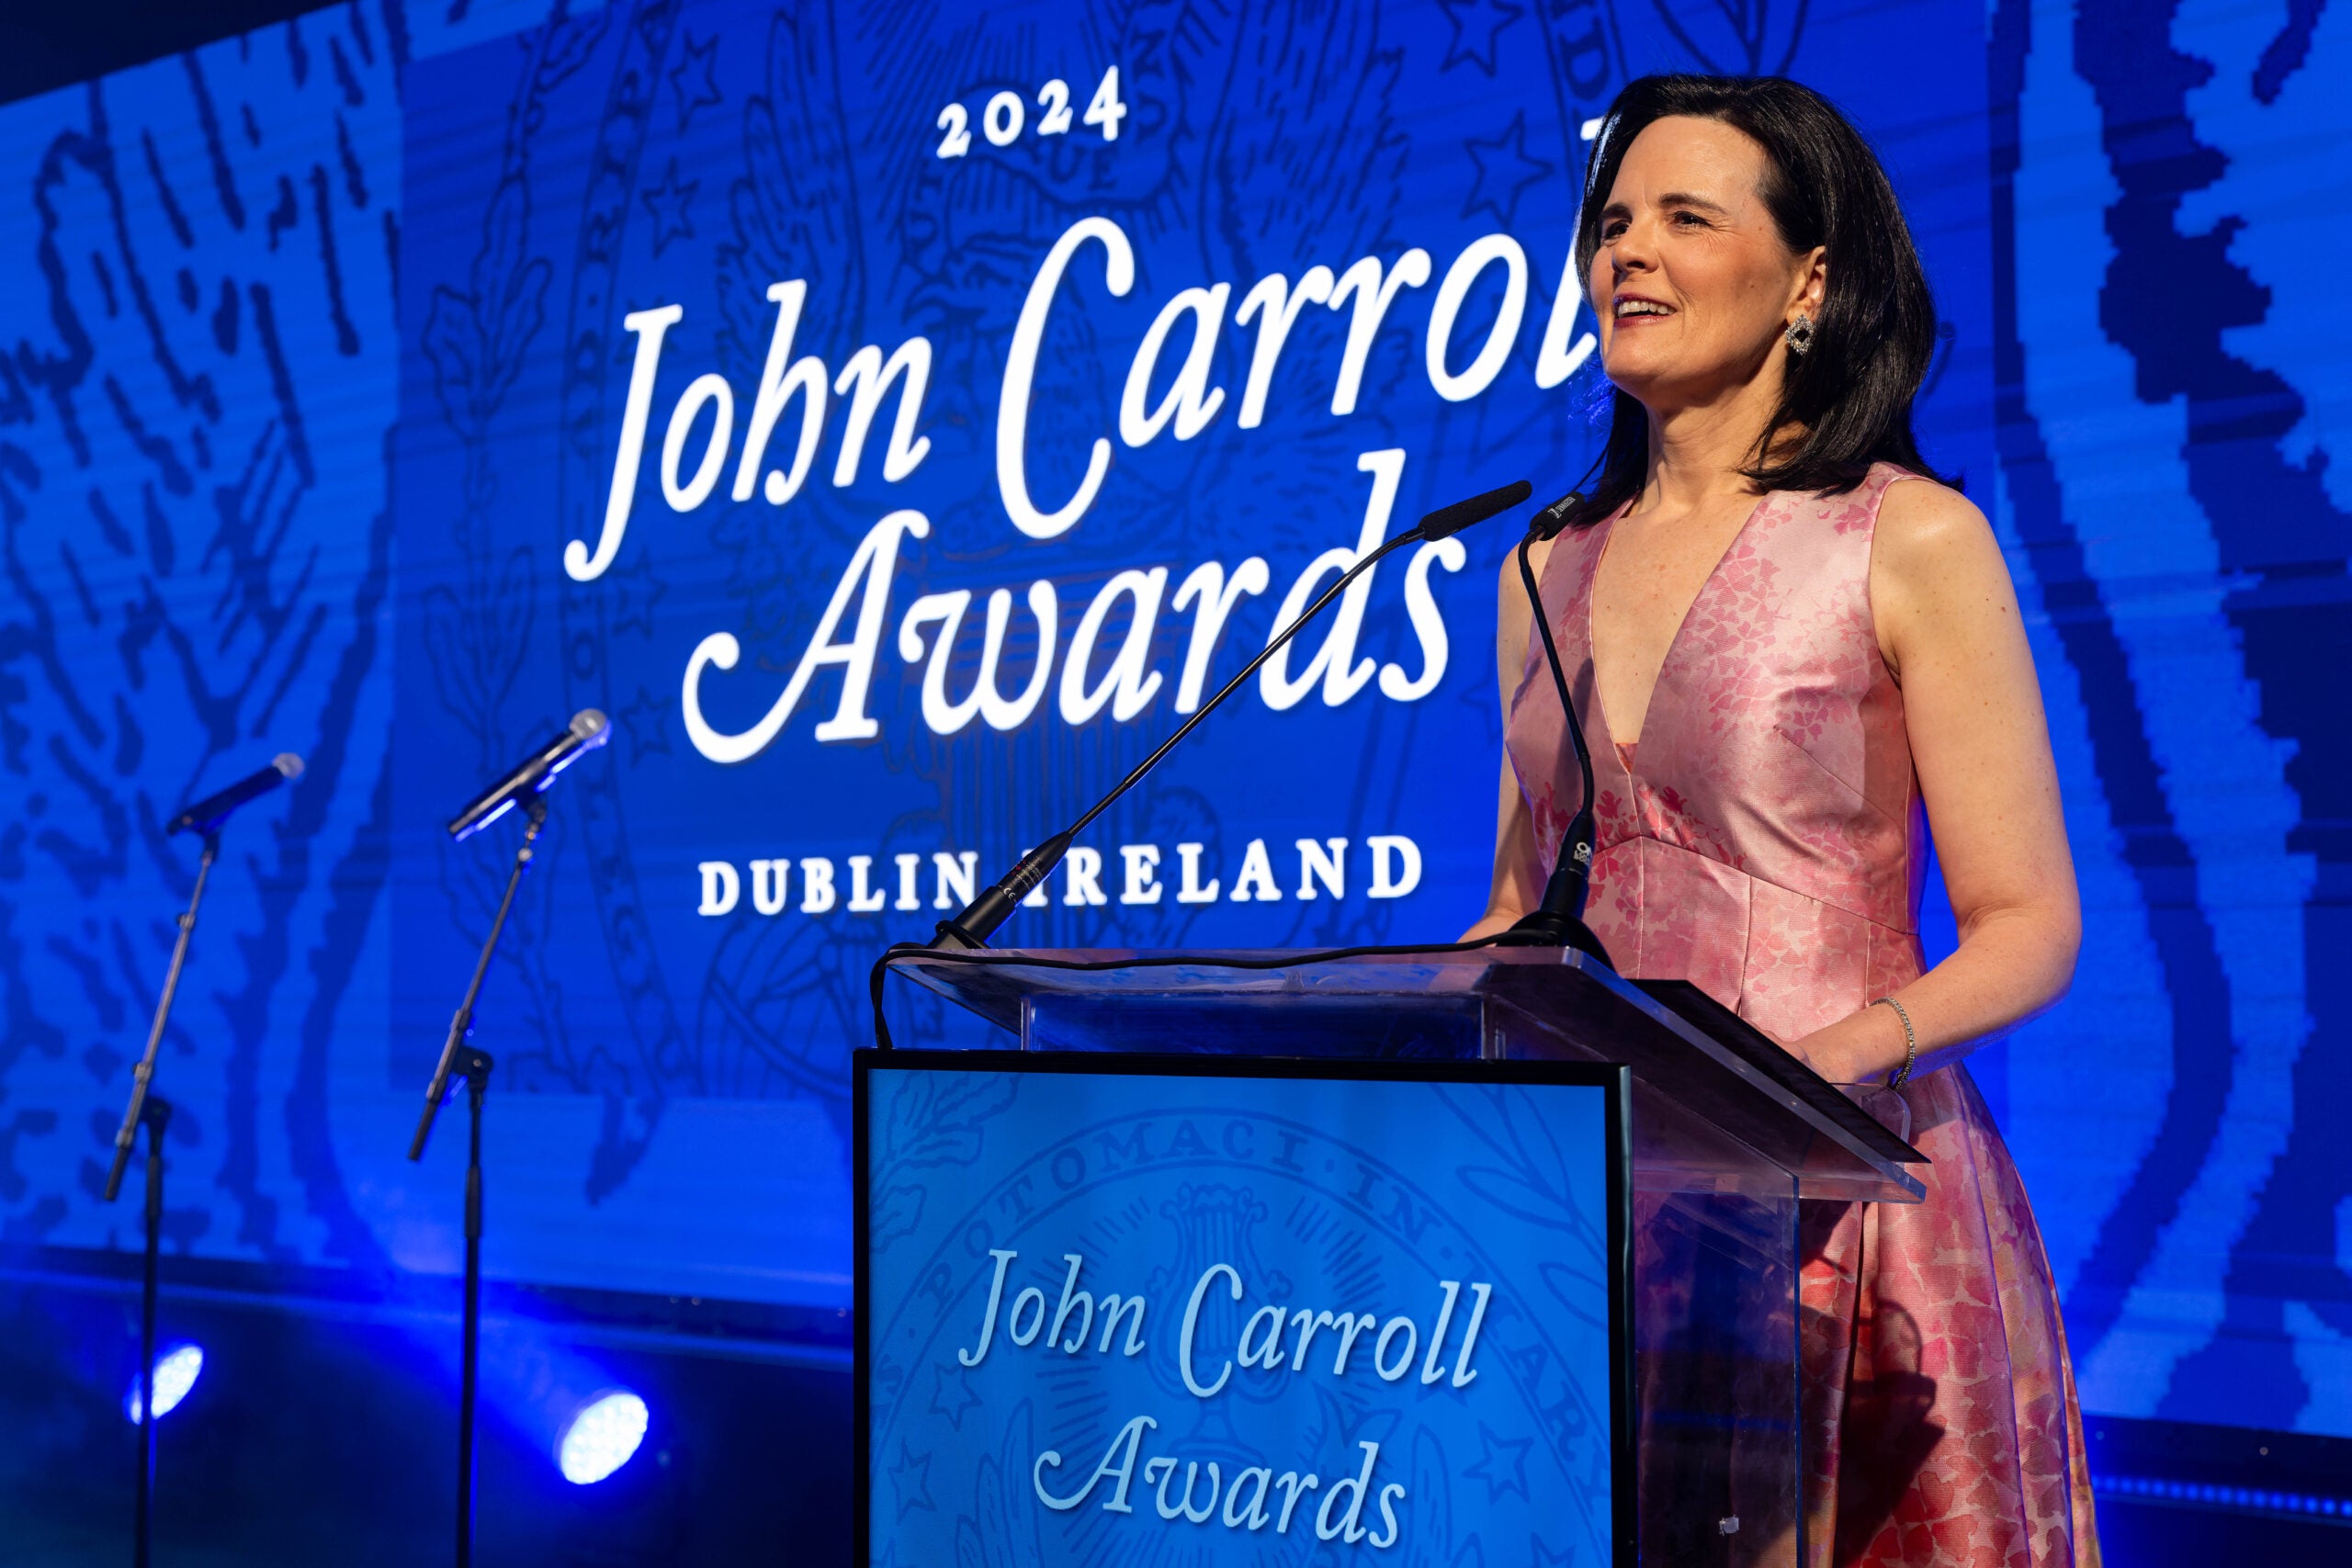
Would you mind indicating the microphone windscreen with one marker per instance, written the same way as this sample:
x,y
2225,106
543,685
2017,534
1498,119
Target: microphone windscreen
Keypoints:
x,y
1448,521
591,725
288,764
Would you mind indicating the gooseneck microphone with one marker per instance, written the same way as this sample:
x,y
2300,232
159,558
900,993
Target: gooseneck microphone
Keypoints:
x,y
588,730
980,919
1557,919
206,814
1448,521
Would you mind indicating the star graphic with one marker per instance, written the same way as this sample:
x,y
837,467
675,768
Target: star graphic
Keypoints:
x,y
1470,18
646,718
632,591
951,1407
1563,1558
1502,1464
695,77
911,1476
667,202
1505,170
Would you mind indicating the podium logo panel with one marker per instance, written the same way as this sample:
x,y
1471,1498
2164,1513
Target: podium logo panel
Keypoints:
x,y
1124,1316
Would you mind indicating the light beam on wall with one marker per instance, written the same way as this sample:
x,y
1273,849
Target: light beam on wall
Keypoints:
x,y
599,1439
175,1374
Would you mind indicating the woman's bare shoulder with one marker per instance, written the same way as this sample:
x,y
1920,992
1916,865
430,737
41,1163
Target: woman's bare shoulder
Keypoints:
x,y
1923,524
1938,577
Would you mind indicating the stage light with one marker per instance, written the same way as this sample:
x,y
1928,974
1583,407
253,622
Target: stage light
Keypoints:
x,y
599,1439
175,1374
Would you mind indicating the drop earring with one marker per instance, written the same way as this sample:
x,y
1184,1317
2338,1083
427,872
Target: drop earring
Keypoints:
x,y
1800,333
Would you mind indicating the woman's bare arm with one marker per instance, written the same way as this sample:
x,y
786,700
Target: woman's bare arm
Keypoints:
x,y
1949,623
1519,875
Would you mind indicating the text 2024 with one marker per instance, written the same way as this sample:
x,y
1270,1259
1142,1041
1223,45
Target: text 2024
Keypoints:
x,y
1006,116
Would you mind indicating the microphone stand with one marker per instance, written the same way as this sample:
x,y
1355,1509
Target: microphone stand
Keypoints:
x,y
154,1112
461,1058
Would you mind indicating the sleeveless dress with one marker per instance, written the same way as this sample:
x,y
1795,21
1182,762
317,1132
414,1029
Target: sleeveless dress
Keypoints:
x,y
1767,844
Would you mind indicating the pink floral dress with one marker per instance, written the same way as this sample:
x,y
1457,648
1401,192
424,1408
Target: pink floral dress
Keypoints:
x,y
1767,844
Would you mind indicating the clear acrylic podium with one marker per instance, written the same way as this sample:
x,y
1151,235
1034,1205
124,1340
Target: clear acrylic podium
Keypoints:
x,y
1729,1131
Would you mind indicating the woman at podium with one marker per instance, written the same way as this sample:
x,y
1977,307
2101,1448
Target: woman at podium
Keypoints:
x,y
1794,652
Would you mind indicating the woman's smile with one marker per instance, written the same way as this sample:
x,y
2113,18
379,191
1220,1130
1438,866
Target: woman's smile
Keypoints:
x,y
1631,307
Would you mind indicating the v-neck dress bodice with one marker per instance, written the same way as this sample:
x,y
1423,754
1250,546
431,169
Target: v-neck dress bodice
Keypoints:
x,y
1765,839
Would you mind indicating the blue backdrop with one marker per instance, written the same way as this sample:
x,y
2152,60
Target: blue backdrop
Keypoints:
x,y
385,385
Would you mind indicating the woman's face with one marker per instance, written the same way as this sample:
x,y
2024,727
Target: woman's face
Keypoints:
x,y
1692,284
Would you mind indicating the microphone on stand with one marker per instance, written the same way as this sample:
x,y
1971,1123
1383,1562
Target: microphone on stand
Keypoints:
x,y
152,1112
588,729
1557,919
206,814
522,786
980,919
461,1058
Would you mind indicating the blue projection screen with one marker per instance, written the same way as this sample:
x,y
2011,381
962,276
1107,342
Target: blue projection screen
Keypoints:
x,y
1121,1309
896,417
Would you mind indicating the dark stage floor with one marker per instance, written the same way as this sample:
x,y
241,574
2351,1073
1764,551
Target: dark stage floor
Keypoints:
x,y
321,1430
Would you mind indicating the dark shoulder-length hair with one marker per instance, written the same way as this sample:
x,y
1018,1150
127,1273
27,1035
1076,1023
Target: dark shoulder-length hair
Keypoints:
x,y
1846,403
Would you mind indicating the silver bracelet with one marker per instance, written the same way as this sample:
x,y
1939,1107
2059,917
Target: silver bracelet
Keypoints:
x,y
1910,1044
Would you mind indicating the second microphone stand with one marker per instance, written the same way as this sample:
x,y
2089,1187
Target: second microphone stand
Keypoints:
x,y
461,1058
154,1112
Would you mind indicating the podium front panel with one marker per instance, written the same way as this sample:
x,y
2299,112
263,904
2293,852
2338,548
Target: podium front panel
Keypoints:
x,y
1213,1310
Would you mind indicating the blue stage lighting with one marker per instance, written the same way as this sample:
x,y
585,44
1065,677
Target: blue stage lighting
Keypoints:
x,y
599,1439
175,1372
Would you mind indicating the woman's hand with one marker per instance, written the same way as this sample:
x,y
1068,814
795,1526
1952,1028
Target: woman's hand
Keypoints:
x,y
1853,1049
